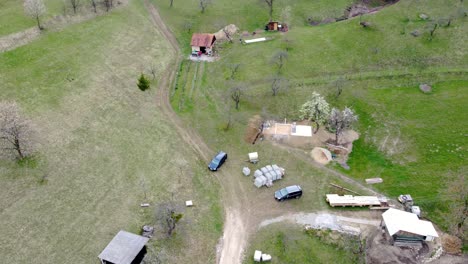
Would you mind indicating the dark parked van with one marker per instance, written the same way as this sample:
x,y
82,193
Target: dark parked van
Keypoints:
x,y
289,192
217,161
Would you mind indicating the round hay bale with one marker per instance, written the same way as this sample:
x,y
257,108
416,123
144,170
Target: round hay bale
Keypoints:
x,y
321,155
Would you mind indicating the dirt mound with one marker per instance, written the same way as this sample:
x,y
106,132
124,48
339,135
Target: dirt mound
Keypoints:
x,y
451,244
321,155
253,130
227,30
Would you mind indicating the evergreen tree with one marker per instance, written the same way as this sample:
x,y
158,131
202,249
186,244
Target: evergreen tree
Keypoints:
x,y
143,83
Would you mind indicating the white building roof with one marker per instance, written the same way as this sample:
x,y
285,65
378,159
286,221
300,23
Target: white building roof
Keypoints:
x,y
303,131
397,220
123,248
335,199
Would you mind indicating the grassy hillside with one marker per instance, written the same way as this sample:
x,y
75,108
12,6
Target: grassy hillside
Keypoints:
x,y
290,244
104,146
13,18
410,139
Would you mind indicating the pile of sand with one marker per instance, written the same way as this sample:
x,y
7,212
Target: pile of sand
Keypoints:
x,y
321,155
451,244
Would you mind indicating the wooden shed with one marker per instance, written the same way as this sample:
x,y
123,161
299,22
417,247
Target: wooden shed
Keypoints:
x,y
125,248
272,26
203,42
406,228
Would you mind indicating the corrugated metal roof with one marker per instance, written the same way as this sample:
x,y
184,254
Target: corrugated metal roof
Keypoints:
x,y
335,199
202,40
397,220
123,248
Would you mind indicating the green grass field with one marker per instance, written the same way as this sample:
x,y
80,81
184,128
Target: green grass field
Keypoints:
x,y
103,145
291,244
13,18
410,139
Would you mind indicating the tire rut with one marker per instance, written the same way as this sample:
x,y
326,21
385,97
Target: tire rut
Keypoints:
x,y
236,214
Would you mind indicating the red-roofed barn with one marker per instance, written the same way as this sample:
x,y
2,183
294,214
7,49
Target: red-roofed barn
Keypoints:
x,y
203,42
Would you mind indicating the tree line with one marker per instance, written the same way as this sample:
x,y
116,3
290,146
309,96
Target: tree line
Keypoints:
x,y
36,9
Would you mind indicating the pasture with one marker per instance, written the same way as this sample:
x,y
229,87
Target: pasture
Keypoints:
x,y
104,147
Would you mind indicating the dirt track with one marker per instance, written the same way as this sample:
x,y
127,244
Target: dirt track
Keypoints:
x,y
242,215
236,220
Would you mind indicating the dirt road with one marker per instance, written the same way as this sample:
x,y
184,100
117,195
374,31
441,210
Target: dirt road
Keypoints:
x,y
242,214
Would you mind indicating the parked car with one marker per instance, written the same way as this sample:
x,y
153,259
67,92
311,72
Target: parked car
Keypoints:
x,y
196,53
405,199
289,192
217,161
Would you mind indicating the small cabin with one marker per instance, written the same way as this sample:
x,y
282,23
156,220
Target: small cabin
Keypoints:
x,y
124,248
272,26
406,228
276,26
203,43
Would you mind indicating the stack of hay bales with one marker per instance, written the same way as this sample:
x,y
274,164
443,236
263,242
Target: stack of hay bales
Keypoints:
x,y
267,175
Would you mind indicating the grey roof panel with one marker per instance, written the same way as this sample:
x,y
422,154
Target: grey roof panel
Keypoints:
x,y
123,248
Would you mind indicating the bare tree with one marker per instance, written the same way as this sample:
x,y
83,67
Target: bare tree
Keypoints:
x,y
204,4
339,83
236,94
432,29
153,70
340,121
227,34
457,200
168,216
270,8
16,132
278,83
75,4
279,58
35,9
108,4
188,26
316,110
287,43
94,5
233,70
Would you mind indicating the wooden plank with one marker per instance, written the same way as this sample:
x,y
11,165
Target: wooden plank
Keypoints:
x,y
374,180
343,188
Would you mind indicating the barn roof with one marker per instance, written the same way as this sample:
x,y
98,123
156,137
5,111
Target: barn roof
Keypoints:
x,y
123,248
202,40
397,220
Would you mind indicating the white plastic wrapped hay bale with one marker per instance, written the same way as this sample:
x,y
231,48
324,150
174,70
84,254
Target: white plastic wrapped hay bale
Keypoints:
x,y
257,173
282,171
269,167
275,167
277,171
274,177
246,171
266,257
264,170
260,181
269,176
257,256
269,183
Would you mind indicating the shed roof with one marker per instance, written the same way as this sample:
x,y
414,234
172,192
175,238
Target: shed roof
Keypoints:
x,y
397,220
123,248
202,40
